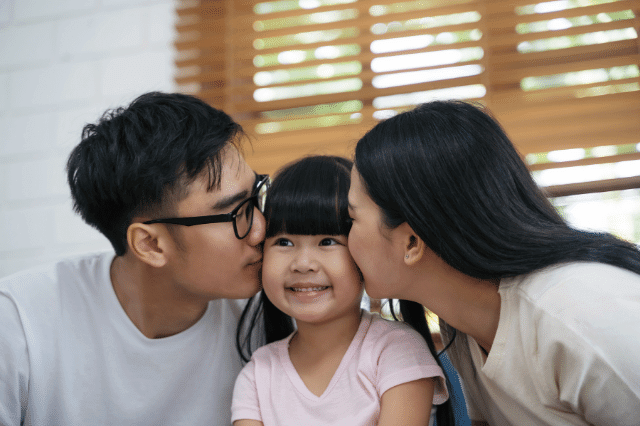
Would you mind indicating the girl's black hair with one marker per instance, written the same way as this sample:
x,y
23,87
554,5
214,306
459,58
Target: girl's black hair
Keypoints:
x,y
309,197
414,314
449,170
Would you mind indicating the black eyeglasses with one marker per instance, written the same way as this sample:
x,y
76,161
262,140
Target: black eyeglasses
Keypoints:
x,y
241,216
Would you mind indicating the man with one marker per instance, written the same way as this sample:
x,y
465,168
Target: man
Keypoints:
x,y
145,336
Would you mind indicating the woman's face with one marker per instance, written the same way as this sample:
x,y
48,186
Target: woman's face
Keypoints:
x,y
373,246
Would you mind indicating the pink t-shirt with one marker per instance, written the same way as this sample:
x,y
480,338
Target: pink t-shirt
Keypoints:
x,y
383,354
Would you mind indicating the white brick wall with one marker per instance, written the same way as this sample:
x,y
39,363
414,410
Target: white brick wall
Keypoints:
x,y
62,64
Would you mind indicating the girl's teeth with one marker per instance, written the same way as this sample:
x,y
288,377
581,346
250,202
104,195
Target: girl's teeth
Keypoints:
x,y
308,289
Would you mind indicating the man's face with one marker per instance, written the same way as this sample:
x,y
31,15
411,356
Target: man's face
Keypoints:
x,y
208,261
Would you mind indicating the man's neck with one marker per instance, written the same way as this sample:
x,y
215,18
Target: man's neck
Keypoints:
x,y
150,301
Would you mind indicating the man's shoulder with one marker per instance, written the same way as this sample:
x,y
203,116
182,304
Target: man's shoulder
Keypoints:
x,y
70,262
40,299
45,280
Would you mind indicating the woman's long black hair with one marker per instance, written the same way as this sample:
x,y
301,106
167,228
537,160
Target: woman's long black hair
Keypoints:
x,y
309,197
448,169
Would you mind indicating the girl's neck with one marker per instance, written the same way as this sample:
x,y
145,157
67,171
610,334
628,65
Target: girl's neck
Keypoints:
x,y
316,350
325,336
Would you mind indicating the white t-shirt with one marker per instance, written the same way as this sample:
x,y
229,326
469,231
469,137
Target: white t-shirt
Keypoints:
x,y
383,354
566,352
71,356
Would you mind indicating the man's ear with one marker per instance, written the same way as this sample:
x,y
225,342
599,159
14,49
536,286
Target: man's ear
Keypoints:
x,y
413,246
147,242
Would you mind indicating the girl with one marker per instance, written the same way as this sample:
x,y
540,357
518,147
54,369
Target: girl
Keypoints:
x,y
446,214
341,366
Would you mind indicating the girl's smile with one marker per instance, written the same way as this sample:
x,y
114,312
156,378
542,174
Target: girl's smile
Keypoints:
x,y
303,289
311,277
307,293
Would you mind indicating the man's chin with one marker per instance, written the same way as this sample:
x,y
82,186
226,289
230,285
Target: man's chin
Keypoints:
x,y
247,292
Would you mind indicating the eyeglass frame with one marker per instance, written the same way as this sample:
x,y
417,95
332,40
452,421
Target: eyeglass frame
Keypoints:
x,y
261,180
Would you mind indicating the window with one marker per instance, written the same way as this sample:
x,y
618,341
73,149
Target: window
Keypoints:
x,y
311,76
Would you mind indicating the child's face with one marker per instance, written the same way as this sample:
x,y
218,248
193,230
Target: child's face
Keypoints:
x,y
311,277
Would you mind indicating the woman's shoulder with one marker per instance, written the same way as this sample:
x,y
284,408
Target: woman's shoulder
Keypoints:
x,y
580,296
574,279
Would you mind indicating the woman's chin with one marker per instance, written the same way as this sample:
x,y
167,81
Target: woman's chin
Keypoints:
x,y
375,292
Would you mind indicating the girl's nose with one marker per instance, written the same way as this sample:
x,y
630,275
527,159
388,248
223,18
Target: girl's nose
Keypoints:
x,y
304,261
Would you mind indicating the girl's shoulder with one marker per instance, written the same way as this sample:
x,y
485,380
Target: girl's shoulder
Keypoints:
x,y
382,330
380,323
271,350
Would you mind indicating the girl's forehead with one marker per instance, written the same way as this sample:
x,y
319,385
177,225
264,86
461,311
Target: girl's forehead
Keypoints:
x,y
305,235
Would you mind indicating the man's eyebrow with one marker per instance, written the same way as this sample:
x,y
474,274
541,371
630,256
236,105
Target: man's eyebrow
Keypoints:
x,y
230,200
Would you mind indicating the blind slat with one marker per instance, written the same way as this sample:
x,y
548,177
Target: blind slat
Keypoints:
x,y
563,115
498,41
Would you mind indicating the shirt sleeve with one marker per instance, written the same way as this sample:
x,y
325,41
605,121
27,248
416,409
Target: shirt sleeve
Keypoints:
x,y
405,357
14,364
245,403
594,373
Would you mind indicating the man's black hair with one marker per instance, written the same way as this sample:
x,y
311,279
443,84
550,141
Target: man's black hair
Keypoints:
x,y
138,159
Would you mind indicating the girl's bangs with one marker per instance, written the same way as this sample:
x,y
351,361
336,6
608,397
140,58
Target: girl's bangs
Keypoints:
x,y
309,198
314,215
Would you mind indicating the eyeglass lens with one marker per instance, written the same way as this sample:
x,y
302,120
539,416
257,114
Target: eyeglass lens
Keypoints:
x,y
244,216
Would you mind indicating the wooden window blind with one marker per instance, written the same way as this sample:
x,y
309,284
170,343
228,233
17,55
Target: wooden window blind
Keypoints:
x,y
311,76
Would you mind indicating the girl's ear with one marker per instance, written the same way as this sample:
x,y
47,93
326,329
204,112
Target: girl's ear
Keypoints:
x,y
413,246
147,243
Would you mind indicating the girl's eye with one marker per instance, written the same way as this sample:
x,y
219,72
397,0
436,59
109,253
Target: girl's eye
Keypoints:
x,y
283,242
328,242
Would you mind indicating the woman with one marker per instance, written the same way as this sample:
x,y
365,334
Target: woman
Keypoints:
x,y
543,319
